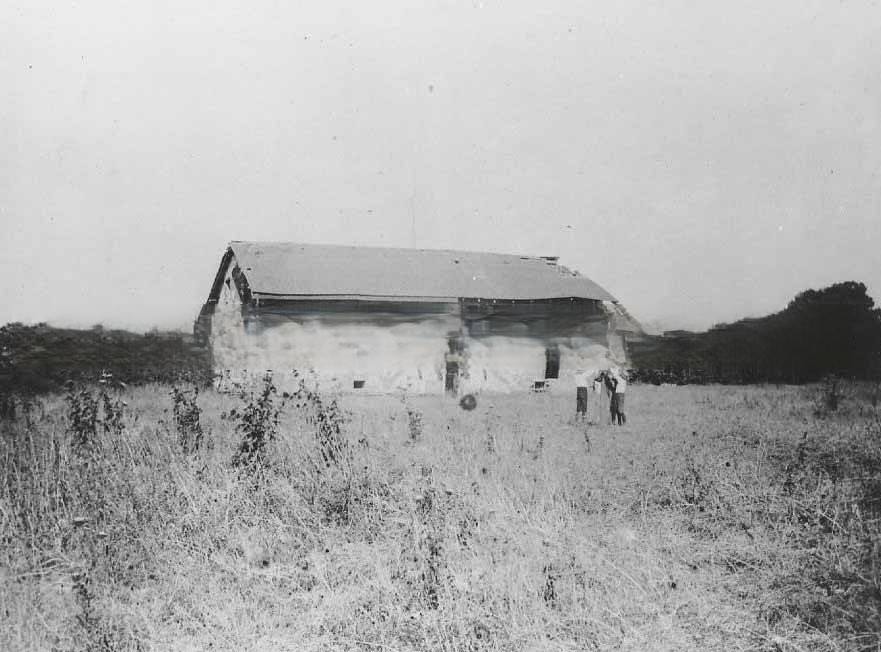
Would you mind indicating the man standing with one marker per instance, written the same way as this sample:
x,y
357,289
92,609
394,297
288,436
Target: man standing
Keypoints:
x,y
610,382
601,386
581,394
598,384
618,398
452,360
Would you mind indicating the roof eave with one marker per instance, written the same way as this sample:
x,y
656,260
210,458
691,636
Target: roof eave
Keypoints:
x,y
402,298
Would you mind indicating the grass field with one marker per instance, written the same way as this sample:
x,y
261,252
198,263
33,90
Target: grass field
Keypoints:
x,y
719,518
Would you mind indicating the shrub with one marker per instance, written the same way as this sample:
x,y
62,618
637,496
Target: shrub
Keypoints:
x,y
186,413
414,423
327,419
114,414
7,406
82,415
257,423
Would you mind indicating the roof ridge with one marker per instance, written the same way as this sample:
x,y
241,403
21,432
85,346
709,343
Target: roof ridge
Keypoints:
x,y
543,259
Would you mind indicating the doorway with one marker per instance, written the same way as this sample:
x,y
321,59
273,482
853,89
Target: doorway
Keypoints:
x,y
552,361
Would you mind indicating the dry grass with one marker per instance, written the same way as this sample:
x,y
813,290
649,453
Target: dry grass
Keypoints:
x,y
718,518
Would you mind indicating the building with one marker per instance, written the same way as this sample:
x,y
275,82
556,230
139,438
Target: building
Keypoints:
x,y
415,320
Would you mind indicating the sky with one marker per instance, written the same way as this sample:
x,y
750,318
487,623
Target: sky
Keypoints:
x,y
702,161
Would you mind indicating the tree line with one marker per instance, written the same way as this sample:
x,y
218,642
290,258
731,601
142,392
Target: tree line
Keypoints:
x,y
40,358
832,331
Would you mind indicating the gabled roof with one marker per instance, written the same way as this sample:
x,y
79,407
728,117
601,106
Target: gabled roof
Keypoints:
x,y
623,322
331,271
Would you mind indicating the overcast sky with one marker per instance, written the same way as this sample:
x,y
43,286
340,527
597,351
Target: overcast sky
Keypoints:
x,y
703,161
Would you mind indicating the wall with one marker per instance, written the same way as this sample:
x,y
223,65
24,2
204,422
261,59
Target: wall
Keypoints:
x,y
506,364
389,358
228,341
332,355
390,352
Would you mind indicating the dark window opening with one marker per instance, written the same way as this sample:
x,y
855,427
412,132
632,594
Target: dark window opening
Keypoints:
x,y
552,362
358,384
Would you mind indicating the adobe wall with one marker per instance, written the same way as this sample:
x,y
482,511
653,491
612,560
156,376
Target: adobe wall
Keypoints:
x,y
228,341
510,364
403,357
408,357
389,353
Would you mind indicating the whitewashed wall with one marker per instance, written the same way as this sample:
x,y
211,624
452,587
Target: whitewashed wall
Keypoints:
x,y
409,356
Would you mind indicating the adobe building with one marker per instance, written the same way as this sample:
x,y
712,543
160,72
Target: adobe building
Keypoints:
x,y
414,320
